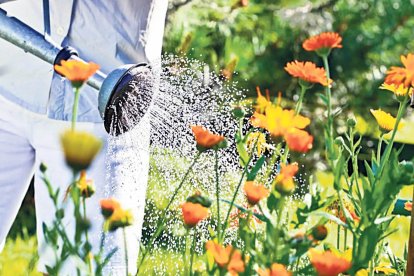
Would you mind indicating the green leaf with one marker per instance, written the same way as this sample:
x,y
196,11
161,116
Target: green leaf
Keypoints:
x,y
252,174
262,217
330,217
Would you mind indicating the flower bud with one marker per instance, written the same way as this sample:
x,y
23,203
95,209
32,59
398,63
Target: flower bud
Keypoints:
x,y
239,112
339,141
351,122
108,206
319,232
198,198
43,167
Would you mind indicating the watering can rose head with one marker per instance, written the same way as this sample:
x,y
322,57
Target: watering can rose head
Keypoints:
x,y
207,140
80,148
78,72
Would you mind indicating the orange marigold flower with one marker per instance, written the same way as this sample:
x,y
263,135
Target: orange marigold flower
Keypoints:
x,y
226,257
193,213
86,187
76,71
290,170
279,121
327,263
308,72
206,139
255,192
108,206
402,75
284,183
275,270
324,41
299,140
408,205
115,216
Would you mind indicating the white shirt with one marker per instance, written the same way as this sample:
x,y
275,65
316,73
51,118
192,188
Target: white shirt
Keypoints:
x,y
110,33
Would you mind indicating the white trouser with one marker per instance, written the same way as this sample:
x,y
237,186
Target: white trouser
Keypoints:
x,y
119,171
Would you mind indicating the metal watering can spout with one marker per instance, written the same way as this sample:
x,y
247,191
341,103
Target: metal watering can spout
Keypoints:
x,y
124,95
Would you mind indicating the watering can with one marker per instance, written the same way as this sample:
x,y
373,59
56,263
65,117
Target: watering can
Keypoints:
x,y
125,94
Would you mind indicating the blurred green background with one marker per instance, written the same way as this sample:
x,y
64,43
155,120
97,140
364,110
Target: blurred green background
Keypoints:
x,y
257,38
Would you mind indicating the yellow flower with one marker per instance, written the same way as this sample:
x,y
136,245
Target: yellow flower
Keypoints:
x,y
279,121
258,139
115,216
385,120
76,71
262,102
120,218
80,148
398,90
384,268
86,187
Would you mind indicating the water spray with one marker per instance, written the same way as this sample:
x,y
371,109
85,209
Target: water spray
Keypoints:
x,y
131,83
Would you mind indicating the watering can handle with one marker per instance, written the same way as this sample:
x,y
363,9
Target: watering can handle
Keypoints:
x,y
46,18
31,41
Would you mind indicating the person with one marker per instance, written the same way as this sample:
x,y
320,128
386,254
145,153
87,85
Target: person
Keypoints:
x,y
36,106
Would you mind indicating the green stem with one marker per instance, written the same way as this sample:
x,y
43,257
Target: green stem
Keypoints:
x,y
75,107
192,252
235,194
185,252
86,236
277,228
328,92
217,196
346,238
379,148
125,251
163,216
338,236
298,107
401,110
329,106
